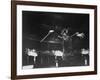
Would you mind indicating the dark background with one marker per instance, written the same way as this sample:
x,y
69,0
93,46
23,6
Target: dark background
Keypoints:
x,y
35,26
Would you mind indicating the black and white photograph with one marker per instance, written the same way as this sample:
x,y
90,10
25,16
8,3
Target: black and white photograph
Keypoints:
x,y
52,39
